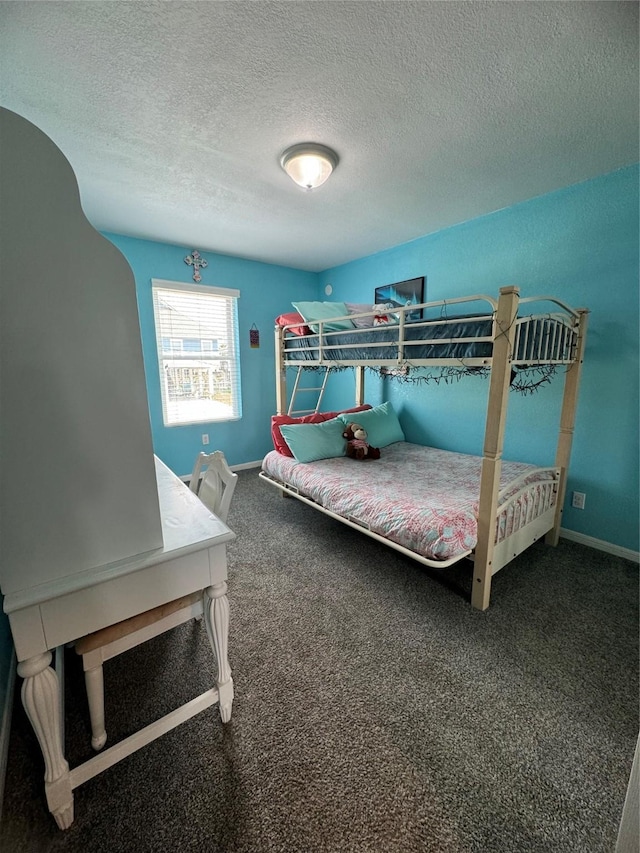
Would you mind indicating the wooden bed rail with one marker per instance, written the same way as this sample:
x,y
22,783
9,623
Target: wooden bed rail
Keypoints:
x,y
567,422
523,482
504,333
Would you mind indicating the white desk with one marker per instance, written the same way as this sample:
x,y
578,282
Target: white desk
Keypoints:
x,y
47,616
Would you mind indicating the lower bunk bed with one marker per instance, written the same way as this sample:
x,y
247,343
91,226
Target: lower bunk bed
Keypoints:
x,y
423,501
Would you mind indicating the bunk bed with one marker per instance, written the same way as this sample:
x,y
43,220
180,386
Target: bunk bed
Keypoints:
x,y
435,506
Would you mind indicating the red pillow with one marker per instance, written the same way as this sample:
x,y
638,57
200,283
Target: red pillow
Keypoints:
x,y
316,418
294,317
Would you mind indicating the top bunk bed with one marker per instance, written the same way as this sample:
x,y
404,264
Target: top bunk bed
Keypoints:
x,y
513,334
544,331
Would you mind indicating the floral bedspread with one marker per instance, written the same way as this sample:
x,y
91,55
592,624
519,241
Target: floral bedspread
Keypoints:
x,y
420,497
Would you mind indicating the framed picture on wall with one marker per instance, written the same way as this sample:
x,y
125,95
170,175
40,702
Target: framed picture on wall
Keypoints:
x,y
403,293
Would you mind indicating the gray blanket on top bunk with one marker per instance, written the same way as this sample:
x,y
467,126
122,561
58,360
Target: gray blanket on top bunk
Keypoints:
x,y
380,343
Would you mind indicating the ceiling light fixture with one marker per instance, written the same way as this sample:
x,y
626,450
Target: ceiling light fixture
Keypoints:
x,y
309,164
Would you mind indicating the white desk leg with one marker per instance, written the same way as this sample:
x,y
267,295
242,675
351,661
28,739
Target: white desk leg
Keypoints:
x,y
94,684
216,615
41,700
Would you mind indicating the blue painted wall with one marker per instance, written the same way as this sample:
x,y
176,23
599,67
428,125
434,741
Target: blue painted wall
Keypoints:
x,y
579,244
266,290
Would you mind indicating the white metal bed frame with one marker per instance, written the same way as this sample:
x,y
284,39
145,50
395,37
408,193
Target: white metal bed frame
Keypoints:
x,y
509,331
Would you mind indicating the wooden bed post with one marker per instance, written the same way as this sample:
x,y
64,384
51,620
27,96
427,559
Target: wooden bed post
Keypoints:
x,y
503,337
281,374
359,385
567,423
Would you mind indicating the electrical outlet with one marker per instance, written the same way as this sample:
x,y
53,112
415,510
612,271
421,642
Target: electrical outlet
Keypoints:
x,y
205,438
578,500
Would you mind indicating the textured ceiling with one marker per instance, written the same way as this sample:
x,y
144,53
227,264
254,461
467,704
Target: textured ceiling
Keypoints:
x,y
174,114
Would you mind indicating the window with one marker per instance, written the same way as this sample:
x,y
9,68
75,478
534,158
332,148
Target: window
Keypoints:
x,y
197,342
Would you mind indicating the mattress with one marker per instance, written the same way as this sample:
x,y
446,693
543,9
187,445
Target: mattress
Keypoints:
x,y
381,342
422,498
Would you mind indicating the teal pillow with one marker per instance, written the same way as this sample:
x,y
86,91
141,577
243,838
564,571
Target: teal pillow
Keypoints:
x,y
314,311
309,442
381,423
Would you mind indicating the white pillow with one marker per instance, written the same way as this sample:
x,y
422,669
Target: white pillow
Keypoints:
x,y
358,308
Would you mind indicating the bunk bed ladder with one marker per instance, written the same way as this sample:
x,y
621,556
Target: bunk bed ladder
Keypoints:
x,y
319,390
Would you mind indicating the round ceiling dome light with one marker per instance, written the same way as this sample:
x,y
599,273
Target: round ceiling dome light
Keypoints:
x,y
309,164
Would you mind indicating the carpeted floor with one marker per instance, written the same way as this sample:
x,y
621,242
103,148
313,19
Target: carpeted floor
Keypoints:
x,y
375,710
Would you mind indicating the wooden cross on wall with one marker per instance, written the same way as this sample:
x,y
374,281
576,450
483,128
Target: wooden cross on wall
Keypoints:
x,y
196,261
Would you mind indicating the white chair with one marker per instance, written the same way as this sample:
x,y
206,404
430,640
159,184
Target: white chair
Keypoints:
x,y
214,483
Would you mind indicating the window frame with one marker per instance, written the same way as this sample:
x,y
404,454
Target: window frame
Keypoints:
x,y
163,356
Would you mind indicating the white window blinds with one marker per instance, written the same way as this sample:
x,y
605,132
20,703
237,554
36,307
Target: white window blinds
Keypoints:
x,y
198,352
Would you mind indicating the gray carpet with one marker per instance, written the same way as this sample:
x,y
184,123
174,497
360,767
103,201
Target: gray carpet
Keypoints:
x,y
375,710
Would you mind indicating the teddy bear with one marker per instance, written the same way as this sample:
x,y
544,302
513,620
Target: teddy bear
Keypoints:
x,y
357,445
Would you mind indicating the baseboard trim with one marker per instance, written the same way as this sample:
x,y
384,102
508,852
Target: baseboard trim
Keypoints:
x,y
5,725
246,465
600,545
